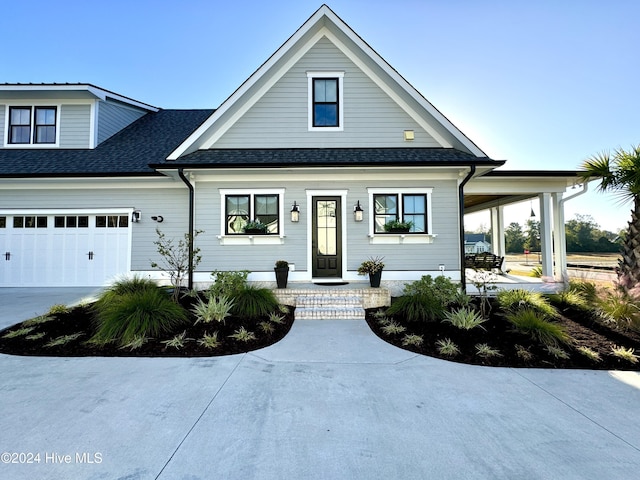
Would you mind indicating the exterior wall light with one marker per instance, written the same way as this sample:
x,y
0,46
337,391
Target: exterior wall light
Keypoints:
x,y
295,212
358,213
136,216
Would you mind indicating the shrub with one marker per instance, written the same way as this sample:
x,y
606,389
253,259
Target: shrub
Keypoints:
x,y
63,340
210,341
485,351
243,335
393,328
146,311
524,353
536,272
557,352
425,300
570,298
625,353
588,290
619,308
58,309
177,341
464,318
276,318
441,287
514,300
19,333
217,309
267,327
136,343
253,302
37,320
447,347
226,284
590,354
533,324
413,340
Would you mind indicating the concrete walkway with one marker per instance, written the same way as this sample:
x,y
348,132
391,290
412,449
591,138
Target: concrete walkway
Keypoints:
x,y
331,401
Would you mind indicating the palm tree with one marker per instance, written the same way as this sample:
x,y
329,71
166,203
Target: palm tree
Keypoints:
x,y
620,173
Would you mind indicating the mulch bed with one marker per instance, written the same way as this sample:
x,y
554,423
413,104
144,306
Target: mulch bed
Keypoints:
x,y
499,334
79,320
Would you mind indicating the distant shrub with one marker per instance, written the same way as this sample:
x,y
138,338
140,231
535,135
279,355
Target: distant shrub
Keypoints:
x,y
619,308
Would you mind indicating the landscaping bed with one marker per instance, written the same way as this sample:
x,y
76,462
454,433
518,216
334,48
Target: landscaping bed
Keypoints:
x,y
515,349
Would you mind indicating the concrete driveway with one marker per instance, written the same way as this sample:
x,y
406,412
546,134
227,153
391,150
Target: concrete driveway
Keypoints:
x,y
331,401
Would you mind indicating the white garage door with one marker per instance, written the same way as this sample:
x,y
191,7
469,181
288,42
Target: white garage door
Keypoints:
x,y
63,249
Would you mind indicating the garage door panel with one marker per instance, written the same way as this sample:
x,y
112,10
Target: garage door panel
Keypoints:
x,y
66,250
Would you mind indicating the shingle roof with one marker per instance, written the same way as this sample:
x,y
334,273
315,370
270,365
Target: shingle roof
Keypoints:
x,y
129,152
326,157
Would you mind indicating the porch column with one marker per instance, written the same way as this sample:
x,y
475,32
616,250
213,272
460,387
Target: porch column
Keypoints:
x,y
497,231
559,239
546,242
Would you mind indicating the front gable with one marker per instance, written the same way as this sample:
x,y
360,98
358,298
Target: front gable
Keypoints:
x,y
271,109
282,115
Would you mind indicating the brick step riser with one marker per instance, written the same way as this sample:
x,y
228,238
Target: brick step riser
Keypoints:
x,y
323,307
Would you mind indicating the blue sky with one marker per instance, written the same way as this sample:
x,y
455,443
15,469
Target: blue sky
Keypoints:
x,y
541,84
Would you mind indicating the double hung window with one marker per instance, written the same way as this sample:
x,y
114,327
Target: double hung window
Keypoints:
x,y
32,125
326,101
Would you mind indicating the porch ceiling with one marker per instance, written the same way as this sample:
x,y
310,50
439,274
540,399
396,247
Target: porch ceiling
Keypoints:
x,y
505,187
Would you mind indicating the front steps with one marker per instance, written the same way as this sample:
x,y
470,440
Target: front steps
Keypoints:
x,y
320,306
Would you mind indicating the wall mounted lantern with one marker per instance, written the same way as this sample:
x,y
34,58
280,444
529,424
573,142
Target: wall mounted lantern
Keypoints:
x,y
136,216
358,213
295,212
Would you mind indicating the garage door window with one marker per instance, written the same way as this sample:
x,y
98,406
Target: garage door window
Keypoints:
x,y
71,221
29,222
3,222
112,221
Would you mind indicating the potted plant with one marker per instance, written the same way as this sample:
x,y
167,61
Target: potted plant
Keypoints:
x,y
396,226
282,273
372,267
255,227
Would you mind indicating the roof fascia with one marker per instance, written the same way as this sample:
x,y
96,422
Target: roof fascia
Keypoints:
x,y
410,89
96,92
190,144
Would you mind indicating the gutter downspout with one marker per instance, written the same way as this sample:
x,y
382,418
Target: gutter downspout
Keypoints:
x,y
463,273
191,203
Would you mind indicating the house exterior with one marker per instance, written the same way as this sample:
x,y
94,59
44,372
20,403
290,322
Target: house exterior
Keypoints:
x,y
324,144
476,243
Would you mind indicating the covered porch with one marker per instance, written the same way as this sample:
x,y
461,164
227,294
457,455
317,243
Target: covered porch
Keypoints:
x,y
498,189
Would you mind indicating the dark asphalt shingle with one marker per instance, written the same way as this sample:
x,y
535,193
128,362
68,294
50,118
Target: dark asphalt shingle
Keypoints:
x,y
326,157
150,139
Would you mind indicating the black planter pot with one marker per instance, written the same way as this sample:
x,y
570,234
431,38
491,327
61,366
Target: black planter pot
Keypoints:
x,y
282,276
399,230
374,279
255,231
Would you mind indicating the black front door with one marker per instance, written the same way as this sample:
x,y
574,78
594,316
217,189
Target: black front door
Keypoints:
x,y
327,237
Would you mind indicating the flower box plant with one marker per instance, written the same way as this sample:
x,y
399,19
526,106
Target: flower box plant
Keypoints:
x,y
396,226
255,227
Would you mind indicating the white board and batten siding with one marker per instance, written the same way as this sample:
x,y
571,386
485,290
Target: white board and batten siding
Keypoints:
x,y
280,117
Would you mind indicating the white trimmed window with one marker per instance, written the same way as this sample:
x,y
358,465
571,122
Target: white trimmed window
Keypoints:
x,y
400,205
326,104
29,125
239,207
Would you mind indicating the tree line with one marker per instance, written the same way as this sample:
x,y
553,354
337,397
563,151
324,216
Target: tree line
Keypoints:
x,y
583,234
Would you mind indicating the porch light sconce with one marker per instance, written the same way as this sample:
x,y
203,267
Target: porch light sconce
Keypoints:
x,y
295,212
158,218
136,216
358,213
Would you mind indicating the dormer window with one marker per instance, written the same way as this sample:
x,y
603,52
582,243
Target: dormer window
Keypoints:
x,y
325,101
32,125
